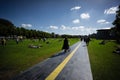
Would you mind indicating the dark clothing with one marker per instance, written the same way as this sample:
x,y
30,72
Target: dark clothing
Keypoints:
x,y
87,40
3,41
66,44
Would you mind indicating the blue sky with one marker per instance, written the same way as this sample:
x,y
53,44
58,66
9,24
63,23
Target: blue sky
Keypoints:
x,y
76,17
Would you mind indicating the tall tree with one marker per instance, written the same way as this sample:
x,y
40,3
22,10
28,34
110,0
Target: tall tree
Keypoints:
x,y
117,25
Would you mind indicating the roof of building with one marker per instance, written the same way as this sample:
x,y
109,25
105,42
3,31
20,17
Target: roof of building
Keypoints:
x,y
103,29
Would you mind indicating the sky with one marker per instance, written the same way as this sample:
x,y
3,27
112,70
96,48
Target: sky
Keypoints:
x,y
74,17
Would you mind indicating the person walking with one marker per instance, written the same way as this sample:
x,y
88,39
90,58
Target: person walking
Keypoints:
x,y
65,45
87,40
17,40
3,41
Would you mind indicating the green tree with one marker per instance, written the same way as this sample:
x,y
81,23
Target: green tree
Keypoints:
x,y
7,28
117,25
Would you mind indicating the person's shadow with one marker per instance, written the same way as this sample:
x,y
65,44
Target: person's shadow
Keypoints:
x,y
59,54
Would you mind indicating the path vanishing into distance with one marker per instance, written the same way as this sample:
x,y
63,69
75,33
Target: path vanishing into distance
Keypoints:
x,y
72,65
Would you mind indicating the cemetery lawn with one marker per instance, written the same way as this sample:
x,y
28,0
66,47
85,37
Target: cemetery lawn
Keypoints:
x,y
105,64
15,58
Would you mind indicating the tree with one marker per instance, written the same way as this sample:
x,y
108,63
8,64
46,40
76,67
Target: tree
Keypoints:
x,y
6,28
117,25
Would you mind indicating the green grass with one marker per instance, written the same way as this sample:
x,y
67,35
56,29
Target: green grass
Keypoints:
x,y
18,57
105,64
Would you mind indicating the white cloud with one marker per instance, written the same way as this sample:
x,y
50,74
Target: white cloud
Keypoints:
x,y
75,30
53,27
85,16
82,30
106,28
63,27
76,21
102,21
107,22
26,25
111,10
78,28
75,8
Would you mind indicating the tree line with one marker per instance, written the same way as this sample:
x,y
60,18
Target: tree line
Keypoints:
x,y
7,29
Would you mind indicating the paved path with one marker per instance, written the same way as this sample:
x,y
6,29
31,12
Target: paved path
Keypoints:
x,y
73,65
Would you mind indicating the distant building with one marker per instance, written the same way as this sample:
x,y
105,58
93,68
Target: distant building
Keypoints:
x,y
103,34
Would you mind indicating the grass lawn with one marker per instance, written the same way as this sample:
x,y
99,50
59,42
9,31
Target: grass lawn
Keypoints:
x,y
15,58
105,64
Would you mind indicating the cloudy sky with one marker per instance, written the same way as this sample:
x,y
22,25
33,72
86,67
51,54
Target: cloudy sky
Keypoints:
x,y
76,17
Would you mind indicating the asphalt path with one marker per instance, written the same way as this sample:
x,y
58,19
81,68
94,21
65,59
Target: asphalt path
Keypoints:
x,y
72,65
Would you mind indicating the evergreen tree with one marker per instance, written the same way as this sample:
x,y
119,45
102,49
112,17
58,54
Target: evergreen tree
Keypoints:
x,y
117,25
